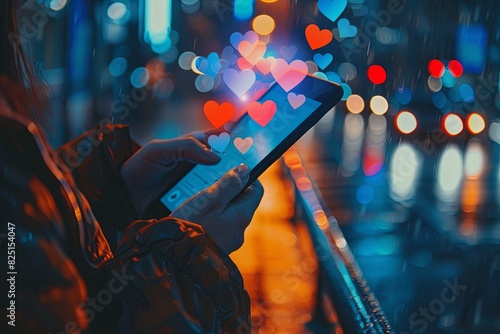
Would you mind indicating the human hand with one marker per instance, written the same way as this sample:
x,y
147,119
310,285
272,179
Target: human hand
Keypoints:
x,y
146,173
222,210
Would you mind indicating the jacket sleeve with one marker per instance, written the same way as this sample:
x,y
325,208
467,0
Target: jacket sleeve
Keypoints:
x,y
177,280
47,289
94,159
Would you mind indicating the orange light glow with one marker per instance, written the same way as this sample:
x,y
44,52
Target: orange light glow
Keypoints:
x,y
355,104
476,123
263,25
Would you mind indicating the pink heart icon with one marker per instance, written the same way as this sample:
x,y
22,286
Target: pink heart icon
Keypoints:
x,y
239,82
262,113
288,75
243,145
296,100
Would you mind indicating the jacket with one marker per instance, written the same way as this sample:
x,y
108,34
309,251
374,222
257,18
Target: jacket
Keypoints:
x,y
84,263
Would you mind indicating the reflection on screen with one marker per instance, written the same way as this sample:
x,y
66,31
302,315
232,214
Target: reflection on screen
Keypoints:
x,y
249,143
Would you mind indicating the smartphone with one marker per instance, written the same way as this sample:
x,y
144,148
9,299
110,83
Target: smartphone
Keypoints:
x,y
256,143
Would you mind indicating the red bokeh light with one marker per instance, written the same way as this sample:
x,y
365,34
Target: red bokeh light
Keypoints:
x,y
376,74
436,68
455,68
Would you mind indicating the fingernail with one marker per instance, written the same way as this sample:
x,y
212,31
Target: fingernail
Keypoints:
x,y
243,170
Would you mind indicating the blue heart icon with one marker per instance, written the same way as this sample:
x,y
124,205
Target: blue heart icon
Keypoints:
x,y
346,29
323,60
219,143
332,8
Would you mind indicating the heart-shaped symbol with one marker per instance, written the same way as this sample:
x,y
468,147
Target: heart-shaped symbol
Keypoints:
x,y
323,60
243,145
332,9
228,55
264,64
236,38
296,100
288,75
239,82
317,38
262,113
288,52
217,114
220,66
243,64
252,52
346,30
220,142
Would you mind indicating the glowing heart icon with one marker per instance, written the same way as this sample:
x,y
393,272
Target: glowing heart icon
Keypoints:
x,y
220,142
332,9
317,38
288,75
239,82
252,52
264,64
296,100
288,52
243,64
228,55
243,145
236,38
346,29
217,114
323,60
262,113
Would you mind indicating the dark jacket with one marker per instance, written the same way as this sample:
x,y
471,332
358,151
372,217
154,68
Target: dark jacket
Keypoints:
x,y
66,209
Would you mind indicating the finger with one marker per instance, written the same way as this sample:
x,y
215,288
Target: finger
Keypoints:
x,y
245,204
187,149
228,186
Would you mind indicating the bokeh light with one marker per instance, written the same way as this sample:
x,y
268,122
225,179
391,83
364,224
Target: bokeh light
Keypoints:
x,y
476,123
118,12
455,67
453,124
436,68
355,104
139,77
57,5
435,84
379,105
263,25
117,66
406,122
376,74
403,95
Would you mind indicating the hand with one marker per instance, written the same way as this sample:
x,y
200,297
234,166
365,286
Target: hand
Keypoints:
x,y
222,210
146,172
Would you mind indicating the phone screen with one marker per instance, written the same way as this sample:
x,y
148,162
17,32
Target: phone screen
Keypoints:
x,y
247,142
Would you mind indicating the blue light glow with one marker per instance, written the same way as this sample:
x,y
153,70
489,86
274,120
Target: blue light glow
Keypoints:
x,y
157,21
243,9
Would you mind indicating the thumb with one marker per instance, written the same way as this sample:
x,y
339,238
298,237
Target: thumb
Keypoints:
x,y
187,149
229,186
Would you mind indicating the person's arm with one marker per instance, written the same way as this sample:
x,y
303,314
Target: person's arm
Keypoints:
x,y
47,289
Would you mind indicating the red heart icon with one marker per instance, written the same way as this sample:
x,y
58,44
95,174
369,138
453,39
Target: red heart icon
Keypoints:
x,y
217,114
317,38
262,113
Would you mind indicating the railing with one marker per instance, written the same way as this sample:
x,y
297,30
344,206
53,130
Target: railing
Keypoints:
x,y
340,278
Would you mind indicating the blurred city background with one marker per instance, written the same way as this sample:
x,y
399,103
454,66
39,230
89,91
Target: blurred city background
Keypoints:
x,y
407,162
